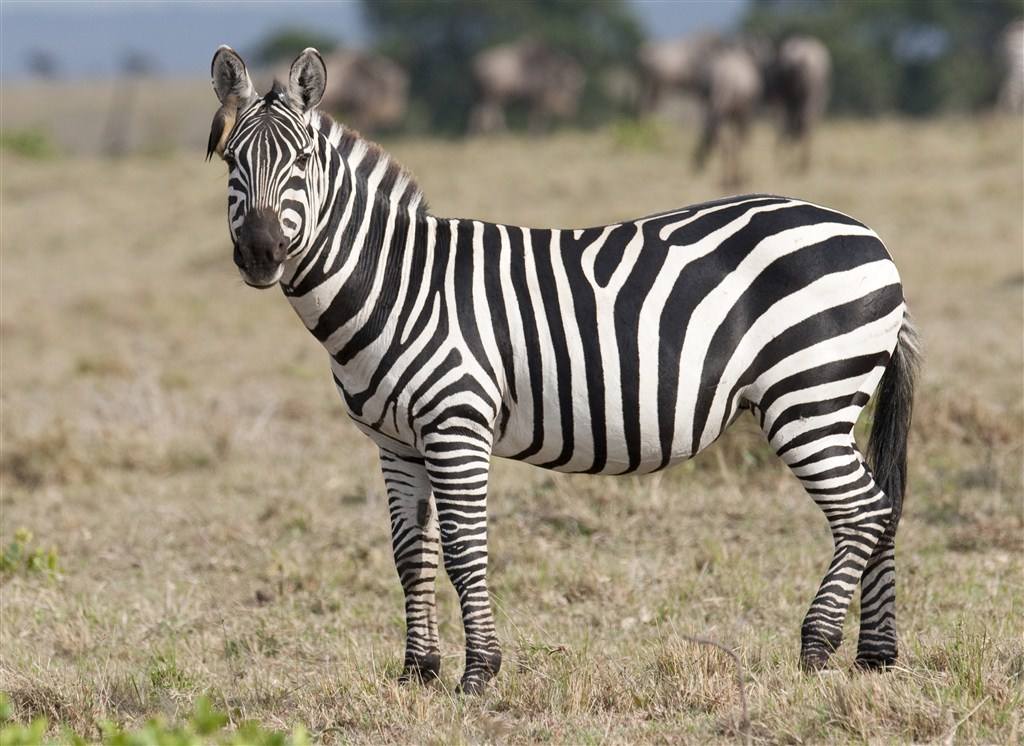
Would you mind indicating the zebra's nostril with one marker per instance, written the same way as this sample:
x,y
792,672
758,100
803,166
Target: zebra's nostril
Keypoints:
x,y
261,238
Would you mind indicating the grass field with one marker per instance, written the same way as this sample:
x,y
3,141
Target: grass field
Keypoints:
x,y
204,520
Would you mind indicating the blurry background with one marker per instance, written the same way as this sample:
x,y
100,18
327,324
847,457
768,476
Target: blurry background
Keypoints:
x,y
426,63
185,510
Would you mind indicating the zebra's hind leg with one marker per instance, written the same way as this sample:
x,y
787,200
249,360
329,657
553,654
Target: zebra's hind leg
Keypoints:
x,y
415,541
877,643
858,513
814,437
877,646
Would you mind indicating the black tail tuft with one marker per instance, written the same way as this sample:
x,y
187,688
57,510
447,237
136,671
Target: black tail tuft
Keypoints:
x,y
887,447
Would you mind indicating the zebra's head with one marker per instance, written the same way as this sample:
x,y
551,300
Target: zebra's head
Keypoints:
x,y
266,142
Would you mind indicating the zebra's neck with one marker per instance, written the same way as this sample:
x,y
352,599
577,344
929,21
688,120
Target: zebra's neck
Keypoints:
x,y
367,219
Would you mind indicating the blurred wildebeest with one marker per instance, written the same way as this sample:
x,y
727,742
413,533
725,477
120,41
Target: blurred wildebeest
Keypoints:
x,y
673,65
621,87
730,88
368,92
547,80
723,76
1011,49
798,79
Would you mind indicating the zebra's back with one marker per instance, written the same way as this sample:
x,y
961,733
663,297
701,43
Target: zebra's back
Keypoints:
x,y
633,346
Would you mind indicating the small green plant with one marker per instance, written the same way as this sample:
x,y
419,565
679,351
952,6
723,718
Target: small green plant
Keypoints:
x,y
165,673
20,556
206,725
28,143
637,134
16,734
102,364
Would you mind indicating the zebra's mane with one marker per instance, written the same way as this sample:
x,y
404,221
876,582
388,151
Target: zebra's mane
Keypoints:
x,y
398,179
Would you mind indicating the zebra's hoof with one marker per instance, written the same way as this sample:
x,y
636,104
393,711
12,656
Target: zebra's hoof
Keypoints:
x,y
421,669
814,662
817,646
815,658
472,685
875,661
481,667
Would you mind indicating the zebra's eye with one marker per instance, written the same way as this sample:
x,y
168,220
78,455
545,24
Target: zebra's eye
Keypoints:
x,y
229,159
302,160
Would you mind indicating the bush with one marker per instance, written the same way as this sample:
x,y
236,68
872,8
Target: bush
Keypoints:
x,y
285,45
28,143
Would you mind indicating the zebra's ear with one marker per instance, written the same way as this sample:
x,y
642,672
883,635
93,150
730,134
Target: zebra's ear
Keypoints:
x,y
307,80
230,78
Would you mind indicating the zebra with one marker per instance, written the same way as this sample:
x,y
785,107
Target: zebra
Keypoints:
x,y
620,349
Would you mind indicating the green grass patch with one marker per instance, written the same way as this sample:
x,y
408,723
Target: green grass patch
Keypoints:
x,y
638,134
205,725
23,556
28,143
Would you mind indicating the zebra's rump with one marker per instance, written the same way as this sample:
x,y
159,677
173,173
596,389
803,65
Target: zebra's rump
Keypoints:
x,y
640,342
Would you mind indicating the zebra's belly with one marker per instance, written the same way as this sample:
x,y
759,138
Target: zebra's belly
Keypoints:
x,y
573,445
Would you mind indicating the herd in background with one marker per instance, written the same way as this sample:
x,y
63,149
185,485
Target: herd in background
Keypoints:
x,y
728,78
731,78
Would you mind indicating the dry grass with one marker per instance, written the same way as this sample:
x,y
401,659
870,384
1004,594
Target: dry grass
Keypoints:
x,y
221,529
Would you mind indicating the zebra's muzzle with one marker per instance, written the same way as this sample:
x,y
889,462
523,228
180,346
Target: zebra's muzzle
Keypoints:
x,y
262,284
260,249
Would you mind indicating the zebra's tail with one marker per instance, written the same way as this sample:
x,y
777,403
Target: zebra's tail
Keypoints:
x,y
887,446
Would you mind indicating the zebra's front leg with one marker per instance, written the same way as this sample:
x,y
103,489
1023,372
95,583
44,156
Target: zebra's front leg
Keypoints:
x,y
458,474
415,539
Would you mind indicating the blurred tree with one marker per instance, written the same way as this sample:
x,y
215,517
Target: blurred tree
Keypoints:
x,y
42,63
913,56
436,43
285,45
136,63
